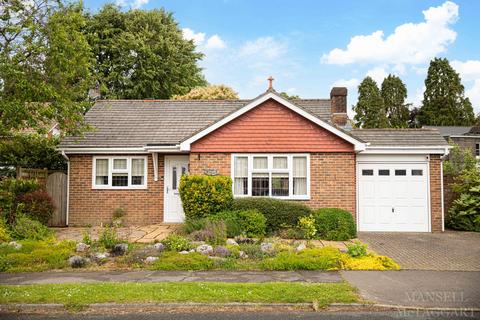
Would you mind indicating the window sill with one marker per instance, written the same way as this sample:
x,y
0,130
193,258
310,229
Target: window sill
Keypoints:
x,y
119,188
302,198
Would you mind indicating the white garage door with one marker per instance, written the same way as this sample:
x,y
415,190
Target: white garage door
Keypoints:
x,y
393,197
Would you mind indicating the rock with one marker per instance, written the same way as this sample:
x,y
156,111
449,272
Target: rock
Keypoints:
x,y
15,245
242,255
82,247
159,246
151,259
221,251
205,249
232,242
100,256
301,247
184,252
77,262
266,247
120,249
191,250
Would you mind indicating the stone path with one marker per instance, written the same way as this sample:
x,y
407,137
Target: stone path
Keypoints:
x,y
142,234
170,276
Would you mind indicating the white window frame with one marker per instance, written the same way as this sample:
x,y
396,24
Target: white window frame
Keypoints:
x,y
111,171
477,149
270,170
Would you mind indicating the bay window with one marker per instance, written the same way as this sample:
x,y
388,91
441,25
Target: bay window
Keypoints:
x,y
271,175
119,172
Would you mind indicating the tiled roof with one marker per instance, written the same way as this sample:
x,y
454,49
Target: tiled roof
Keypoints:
x,y
448,131
401,137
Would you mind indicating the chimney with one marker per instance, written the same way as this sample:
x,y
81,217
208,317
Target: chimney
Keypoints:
x,y
338,102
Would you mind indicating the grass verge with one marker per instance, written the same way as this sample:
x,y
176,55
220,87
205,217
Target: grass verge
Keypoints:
x,y
208,292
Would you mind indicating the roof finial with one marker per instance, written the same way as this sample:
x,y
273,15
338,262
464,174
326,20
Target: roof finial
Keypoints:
x,y
270,83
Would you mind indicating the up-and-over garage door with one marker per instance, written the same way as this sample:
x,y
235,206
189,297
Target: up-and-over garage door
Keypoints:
x,y
393,196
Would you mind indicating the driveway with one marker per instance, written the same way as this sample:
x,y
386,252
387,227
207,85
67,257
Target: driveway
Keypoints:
x,y
447,251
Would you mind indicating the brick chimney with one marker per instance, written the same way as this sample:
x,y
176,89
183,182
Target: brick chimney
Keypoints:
x,y
338,102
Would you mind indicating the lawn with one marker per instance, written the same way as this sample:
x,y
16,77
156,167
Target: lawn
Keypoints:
x,y
210,292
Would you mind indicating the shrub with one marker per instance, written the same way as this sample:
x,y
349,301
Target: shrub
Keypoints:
x,y
278,213
4,232
291,233
177,261
232,221
252,222
203,195
175,242
11,190
252,250
307,225
357,249
309,259
37,205
334,224
465,211
214,232
369,262
108,238
193,224
26,228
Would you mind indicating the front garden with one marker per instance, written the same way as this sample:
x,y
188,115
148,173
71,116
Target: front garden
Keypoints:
x,y
220,233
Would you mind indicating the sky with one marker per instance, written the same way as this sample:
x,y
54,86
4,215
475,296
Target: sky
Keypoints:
x,y
309,46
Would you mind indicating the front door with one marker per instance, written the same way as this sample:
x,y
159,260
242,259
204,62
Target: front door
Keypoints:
x,y
175,167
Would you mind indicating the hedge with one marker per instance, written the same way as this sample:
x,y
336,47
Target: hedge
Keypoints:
x,y
204,195
334,224
279,213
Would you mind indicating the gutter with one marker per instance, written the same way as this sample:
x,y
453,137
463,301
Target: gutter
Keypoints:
x,y
68,186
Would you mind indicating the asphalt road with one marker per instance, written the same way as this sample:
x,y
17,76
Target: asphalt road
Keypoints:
x,y
437,315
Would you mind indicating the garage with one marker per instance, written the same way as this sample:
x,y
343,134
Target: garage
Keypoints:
x,y
393,195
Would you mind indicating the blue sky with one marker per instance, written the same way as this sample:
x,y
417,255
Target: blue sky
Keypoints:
x,y
308,46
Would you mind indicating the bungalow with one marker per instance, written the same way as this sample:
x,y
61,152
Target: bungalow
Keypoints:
x,y
298,150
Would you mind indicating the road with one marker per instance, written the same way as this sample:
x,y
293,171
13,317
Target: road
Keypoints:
x,y
258,316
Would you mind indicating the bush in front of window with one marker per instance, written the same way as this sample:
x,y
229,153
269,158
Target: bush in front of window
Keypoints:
x,y
334,224
253,223
279,213
204,195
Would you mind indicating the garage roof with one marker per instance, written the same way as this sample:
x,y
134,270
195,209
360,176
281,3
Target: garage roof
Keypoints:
x,y
401,137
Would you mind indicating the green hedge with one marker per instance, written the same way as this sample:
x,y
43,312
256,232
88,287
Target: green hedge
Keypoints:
x,y
279,213
334,224
204,195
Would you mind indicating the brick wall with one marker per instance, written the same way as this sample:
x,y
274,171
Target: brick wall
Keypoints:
x,y
435,193
89,206
332,176
467,143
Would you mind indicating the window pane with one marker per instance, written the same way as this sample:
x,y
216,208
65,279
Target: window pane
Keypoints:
x,y
417,172
280,163
119,164
300,186
367,172
280,184
101,176
383,172
400,172
300,167
241,176
174,178
120,179
260,184
260,162
138,171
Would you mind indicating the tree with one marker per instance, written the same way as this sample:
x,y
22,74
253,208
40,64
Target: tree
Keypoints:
x,y
289,96
370,110
394,94
444,103
45,65
213,92
142,54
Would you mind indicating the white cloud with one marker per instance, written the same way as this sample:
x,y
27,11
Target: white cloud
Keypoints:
x,y
469,70
197,37
268,47
215,42
350,84
417,97
377,74
134,4
474,94
410,43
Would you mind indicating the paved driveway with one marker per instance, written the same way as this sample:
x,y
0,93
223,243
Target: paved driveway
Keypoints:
x,y
451,250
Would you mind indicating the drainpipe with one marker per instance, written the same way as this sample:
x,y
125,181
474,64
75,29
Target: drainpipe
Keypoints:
x,y
68,185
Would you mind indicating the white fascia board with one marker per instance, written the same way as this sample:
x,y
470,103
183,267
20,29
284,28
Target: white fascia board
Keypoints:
x,y
185,145
90,150
163,149
443,150
460,136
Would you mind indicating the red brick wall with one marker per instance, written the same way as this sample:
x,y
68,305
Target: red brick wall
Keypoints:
x,y
89,206
332,176
435,193
271,127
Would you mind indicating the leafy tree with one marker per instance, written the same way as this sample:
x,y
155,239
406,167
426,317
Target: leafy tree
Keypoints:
x,y
370,110
459,159
142,54
44,65
289,96
444,103
213,92
394,94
